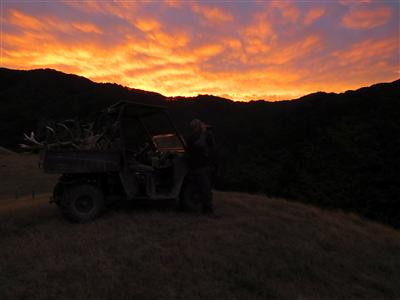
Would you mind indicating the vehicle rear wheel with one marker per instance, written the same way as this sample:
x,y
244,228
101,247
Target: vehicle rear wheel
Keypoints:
x,y
82,203
190,198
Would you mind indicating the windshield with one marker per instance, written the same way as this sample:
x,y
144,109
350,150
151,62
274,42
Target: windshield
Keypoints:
x,y
168,143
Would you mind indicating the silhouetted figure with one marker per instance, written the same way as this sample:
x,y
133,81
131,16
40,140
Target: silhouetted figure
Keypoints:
x,y
200,146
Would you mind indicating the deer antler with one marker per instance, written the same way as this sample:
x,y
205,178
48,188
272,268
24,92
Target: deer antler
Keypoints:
x,y
32,139
67,129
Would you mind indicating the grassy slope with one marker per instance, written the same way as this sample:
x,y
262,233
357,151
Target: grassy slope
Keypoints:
x,y
261,248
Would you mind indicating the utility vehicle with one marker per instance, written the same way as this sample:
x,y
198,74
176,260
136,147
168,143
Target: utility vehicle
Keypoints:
x,y
136,153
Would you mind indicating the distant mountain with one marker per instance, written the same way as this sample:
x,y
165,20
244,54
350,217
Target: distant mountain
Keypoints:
x,y
335,150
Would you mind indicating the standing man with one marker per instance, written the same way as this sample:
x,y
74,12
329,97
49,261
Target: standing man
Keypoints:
x,y
200,146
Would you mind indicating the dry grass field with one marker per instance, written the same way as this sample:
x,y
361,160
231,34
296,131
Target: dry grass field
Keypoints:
x,y
262,248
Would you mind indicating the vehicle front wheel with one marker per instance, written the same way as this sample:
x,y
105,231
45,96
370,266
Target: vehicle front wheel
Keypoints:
x,y
82,203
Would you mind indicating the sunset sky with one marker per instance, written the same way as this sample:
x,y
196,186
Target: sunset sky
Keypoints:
x,y
242,50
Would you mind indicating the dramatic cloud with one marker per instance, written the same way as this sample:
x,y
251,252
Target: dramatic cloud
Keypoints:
x,y
243,50
212,13
366,18
313,14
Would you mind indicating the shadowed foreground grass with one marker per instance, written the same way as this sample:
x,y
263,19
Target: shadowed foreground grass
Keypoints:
x,y
261,248
20,175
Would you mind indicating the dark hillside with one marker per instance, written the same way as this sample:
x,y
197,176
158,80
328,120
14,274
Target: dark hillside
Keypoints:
x,y
335,150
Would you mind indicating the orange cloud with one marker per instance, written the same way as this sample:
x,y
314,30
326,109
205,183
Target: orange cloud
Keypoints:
x,y
157,62
174,3
259,35
86,6
124,10
366,50
47,24
213,14
366,18
87,27
313,14
208,50
354,2
295,51
288,10
25,21
147,24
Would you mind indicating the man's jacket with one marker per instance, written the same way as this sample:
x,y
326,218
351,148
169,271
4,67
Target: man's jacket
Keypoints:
x,y
200,147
